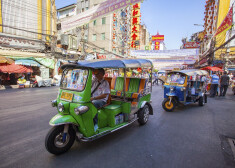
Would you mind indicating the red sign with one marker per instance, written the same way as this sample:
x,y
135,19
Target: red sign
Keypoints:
x,y
227,22
101,56
157,47
191,45
158,38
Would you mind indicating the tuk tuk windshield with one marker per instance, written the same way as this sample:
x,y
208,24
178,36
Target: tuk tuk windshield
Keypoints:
x,y
176,78
74,79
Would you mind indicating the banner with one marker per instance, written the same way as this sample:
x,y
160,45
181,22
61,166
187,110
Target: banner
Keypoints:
x,y
227,22
158,37
191,45
93,13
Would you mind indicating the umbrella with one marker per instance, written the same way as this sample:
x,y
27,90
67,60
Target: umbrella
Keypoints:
x,y
4,60
13,68
212,68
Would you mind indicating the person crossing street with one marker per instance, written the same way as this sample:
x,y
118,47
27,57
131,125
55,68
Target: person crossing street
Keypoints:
x,y
214,84
224,83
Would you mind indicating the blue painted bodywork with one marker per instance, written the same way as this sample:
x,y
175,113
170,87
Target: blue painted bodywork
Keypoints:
x,y
176,92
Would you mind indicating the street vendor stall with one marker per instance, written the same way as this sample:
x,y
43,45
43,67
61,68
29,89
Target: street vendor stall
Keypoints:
x,y
12,69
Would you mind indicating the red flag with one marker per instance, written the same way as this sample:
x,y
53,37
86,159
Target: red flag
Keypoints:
x,y
227,22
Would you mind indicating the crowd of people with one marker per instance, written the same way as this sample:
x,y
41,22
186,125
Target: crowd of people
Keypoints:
x,y
220,83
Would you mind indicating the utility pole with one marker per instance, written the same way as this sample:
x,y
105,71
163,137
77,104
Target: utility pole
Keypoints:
x,y
83,52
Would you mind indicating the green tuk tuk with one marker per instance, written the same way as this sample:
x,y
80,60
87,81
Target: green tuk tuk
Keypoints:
x,y
128,102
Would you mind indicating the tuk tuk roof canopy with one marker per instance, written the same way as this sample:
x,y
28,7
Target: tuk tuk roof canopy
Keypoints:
x,y
192,72
117,63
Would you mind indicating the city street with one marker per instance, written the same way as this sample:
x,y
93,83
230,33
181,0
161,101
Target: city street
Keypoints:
x,y
191,136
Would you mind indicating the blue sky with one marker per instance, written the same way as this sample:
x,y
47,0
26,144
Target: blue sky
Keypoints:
x,y
173,18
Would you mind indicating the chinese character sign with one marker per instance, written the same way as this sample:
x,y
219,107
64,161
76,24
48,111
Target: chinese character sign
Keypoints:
x,y
135,25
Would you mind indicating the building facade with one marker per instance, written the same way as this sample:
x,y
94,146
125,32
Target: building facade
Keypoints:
x,y
67,41
28,36
33,22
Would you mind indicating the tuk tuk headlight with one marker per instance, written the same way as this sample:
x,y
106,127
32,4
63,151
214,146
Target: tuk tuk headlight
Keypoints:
x,y
60,107
81,109
53,103
182,89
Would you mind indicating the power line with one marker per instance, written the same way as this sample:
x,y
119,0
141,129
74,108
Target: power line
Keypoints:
x,y
27,30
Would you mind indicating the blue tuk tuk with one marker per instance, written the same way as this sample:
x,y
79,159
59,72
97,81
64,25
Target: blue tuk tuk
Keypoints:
x,y
185,87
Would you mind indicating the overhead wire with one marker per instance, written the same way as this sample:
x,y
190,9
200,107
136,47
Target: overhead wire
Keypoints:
x,y
32,8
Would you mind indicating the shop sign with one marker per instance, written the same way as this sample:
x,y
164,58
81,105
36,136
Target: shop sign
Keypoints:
x,y
9,41
191,45
227,22
157,47
44,72
146,47
95,12
203,61
101,56
158,38
135,25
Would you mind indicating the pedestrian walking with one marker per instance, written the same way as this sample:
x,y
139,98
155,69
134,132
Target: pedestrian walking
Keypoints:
x,y
214,84
156,78
231,79
0,81
224,83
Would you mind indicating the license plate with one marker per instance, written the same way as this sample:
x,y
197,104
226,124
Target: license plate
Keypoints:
x,y
66,96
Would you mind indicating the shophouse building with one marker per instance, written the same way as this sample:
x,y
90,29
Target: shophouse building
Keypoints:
x,y
28,32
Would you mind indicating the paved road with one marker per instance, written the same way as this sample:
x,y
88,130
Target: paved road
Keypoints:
x,y
192,136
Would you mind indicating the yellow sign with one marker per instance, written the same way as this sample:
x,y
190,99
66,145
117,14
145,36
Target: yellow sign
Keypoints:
x,y
66,96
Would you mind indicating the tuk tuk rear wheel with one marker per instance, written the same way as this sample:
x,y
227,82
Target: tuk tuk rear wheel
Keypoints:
x,y
143,115
168,107
54,143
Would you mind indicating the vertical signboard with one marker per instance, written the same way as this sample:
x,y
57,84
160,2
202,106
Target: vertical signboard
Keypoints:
x,y
157,39
135,26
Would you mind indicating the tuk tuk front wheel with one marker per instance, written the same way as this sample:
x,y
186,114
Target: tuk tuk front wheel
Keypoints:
x,y
54,140
143,115
168,106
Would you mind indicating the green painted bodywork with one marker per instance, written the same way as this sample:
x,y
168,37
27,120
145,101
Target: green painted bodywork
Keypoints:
x,y
58,119
146,98
106,115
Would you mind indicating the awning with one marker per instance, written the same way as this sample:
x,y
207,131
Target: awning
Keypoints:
x,y
212,69
6,60
47,62
27,62
13,68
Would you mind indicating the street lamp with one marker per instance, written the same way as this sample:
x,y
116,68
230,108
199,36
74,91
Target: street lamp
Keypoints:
x,y
198,25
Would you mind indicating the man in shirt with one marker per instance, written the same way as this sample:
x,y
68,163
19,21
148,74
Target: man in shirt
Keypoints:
x,y
224,82
214,84
100,89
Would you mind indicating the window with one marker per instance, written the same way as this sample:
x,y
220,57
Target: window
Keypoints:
x,y
102,36
94,23
82,9
74,79
59,26
94,37
102,50
86,37
86,8
103,20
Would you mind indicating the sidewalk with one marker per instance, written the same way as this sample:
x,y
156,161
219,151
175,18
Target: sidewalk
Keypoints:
x,y
4,87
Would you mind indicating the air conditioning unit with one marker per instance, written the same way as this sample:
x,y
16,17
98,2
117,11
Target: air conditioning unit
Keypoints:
x,y
64,39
